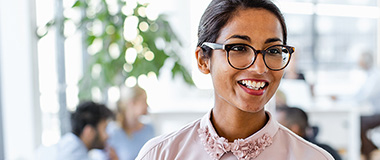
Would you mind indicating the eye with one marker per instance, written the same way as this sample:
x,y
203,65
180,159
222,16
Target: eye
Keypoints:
x,y
239,47
275,50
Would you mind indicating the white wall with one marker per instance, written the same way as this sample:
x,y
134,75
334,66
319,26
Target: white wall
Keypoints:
x,y
19,79
1,112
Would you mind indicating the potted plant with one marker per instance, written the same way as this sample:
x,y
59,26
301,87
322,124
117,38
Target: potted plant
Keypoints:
x,y
132,43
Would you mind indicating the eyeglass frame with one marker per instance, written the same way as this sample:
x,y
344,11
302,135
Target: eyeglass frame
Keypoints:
x,y
217,46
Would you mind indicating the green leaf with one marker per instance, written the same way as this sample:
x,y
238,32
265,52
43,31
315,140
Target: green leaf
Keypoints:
x,y
90,39
179,69
78,3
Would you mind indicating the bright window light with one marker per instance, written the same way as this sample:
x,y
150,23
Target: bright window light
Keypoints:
x,y
347,11
329,9
296,8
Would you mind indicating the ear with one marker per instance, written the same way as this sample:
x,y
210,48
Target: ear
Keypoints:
x,y
202,61
88,132
88,135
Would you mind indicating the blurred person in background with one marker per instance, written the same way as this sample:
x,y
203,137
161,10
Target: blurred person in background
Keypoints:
x,y
281,101
88,122
242,45
292,70
370,91
297,121
368,95
130,134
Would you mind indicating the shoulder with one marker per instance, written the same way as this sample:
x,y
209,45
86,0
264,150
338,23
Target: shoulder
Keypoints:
x,y
116,134
154,148
300,147
46,153
71,147
113,127
148,127
147,132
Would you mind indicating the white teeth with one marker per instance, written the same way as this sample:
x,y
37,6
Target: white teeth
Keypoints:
x,y
258,85
253,84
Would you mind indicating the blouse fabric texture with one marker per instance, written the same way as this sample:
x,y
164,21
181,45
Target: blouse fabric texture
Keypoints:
x,y
199,140
128,146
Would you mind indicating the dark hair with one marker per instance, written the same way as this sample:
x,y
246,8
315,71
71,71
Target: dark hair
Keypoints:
x,y
218,13
295,116
88,113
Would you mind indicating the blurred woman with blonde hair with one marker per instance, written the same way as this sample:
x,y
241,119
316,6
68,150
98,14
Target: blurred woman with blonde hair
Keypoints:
x,y
130,134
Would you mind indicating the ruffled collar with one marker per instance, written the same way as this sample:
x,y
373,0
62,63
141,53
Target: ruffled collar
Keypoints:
x,y
243,149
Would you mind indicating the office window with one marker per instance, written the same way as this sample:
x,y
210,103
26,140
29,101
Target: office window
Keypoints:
x,y
324,39
51,86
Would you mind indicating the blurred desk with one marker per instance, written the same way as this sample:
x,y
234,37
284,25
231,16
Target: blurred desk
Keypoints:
x,y
339,126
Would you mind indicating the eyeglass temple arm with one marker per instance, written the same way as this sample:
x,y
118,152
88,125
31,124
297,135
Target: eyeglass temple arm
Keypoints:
x,y
213,45
292,49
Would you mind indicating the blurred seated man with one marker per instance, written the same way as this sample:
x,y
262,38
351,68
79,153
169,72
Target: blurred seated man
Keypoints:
x,y
368,95
88,124
296,120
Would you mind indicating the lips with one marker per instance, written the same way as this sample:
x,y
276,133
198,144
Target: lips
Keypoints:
x,y
253,87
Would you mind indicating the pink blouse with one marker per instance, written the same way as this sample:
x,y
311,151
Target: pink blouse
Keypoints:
x,y
198,140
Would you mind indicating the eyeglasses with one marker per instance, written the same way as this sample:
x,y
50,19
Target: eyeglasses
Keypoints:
x,y
241,56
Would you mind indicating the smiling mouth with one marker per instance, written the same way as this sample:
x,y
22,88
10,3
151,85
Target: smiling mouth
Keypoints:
x,y
250,84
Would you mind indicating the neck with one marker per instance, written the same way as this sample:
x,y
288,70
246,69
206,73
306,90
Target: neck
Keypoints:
x,y
234,123
133,124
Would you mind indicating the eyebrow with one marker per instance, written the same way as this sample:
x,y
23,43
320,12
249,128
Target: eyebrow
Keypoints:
x,y
270,40
246,38
243,37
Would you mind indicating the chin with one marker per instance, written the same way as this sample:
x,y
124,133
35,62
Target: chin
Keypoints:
x,y
251,109
98,146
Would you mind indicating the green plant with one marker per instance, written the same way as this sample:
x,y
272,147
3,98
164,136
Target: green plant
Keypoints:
x,y
115,43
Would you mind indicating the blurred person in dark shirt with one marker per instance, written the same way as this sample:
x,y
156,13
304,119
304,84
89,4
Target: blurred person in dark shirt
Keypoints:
x,y
296,120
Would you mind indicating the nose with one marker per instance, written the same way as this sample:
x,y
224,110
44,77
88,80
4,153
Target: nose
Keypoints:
x,y
259,65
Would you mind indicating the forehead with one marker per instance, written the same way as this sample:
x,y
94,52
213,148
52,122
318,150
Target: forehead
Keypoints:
x,y
103,123
256,23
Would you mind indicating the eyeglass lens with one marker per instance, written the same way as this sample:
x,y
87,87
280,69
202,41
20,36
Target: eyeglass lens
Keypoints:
x,y
275,57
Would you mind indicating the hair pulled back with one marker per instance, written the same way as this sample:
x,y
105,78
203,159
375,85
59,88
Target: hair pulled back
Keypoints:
x,y
218,13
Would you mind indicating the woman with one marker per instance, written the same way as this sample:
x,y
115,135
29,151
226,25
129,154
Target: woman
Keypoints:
x,y
242,45
130,135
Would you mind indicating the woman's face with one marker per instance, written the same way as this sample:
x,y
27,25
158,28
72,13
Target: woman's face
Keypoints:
x,y
141,106
260,29
137,107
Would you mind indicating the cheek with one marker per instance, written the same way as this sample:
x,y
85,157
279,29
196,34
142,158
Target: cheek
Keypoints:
x,y
140,110
104,135
219,67
102,131
277,76
221,76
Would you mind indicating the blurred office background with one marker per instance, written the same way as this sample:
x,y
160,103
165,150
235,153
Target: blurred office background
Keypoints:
x,y
39,76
